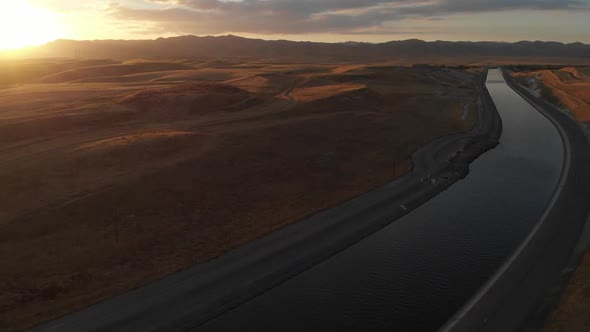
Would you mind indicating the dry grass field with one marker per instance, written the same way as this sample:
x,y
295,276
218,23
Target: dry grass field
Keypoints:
x,y
567,87
114,174
573,313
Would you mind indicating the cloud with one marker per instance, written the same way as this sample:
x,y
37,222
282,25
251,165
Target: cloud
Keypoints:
x,y
477,6
307,16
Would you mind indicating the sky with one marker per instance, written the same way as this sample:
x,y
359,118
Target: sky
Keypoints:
x,y
33,22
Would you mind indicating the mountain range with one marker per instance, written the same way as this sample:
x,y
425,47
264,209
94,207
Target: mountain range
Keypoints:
x,y
234,46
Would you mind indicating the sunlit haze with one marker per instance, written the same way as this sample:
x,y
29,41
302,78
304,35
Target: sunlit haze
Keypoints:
x,y
23,24
31,22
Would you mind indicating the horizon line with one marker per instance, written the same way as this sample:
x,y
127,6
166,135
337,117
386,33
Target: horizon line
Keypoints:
x,y
288,40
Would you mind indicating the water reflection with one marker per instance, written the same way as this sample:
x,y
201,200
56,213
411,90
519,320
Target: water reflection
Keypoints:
x,y
419,270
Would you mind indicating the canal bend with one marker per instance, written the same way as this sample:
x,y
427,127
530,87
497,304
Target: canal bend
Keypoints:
x,y
421,269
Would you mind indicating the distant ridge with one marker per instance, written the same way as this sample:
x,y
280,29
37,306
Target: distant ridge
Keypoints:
x,y
234,46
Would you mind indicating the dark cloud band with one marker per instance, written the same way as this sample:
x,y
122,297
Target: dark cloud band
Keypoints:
x,y
319,16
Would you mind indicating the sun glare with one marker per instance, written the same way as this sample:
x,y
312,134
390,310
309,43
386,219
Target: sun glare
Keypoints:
x,y
22,24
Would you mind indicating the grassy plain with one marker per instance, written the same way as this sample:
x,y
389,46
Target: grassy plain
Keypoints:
x,y
115,174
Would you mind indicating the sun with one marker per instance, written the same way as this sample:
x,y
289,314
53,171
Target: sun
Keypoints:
x,y
22,24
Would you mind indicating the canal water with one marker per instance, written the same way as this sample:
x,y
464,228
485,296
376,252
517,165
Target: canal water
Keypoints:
x,y
416,273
